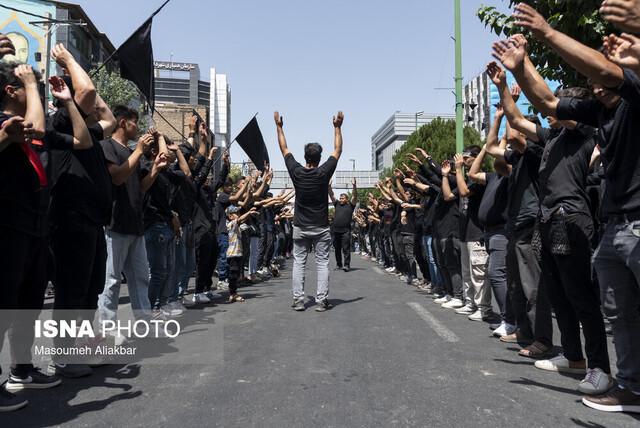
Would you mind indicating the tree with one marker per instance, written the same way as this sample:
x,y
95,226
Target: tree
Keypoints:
x,y
438,138
235,172
578,19
115,90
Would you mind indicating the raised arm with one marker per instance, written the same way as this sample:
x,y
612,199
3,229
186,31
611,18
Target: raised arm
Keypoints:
x,y
332,195
182,162
159,164
84,91
81,137
492,146
507,100
121,173
337,127
354,192
587,61
475,172
447,194
282,141
35,112
463,189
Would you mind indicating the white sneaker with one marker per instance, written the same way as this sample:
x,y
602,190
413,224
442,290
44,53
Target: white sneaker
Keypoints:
x,y
417,283
391,270
223,285
595,382
558,364
467,309
441,300
169,311
403,278
453,304
177,304
476,316
505,329
373,259
187,303
200,298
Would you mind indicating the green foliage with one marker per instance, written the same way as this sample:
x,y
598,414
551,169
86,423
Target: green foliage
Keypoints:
x,y
115,90
578,19
437,138
235,172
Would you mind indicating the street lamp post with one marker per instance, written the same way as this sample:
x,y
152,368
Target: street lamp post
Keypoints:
x,y
418,113
353,163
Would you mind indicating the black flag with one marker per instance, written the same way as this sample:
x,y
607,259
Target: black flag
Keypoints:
x,y
251,141
136,59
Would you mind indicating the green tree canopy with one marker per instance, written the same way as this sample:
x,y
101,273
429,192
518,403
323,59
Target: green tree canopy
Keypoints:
x,y
578,19
438,138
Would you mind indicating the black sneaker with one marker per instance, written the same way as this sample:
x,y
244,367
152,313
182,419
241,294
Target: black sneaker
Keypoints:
x,y
70,371
33,380
323,305
298,305
9,401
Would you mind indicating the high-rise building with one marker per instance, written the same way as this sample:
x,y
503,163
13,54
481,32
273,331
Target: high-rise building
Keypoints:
x,y
220,108
394,133
477,108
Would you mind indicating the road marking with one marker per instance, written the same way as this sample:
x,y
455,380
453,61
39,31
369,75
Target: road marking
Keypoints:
x,y
436,325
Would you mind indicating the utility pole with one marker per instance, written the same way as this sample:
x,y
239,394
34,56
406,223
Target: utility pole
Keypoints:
x,y
458,78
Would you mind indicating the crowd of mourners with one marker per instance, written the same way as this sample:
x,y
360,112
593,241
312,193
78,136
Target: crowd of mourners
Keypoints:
x,y
91,201
542,220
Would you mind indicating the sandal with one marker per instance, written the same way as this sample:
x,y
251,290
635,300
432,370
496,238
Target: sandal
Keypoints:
x,y
535,350
236,298
515,338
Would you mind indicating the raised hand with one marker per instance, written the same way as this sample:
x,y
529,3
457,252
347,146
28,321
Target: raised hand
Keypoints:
x,y
161,161
153,132
212,152
353,182
24,72
515,92
60,90
623,50
496,74
337,120
413,158
226,157
459,160
398,174
278,119
509,53
446,167
193,121
423,153
14,127
62,56
529,18
409,181
622,13
145,141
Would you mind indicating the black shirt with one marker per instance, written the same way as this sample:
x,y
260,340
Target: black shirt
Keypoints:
x,y
618,131
446,218
408,220
470,228
492,211
564,169
83,183
126,213
25,205
342,217
523,186
220,212
159,198
312,187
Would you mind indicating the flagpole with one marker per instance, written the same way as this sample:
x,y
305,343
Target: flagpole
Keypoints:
x,y
114,53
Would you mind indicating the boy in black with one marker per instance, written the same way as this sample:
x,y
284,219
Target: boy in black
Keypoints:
x,y
341,227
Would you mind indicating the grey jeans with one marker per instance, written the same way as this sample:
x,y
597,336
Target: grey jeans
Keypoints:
x,y
617,263
303,240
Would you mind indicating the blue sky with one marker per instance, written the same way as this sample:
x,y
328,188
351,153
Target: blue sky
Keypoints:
x,y
308,59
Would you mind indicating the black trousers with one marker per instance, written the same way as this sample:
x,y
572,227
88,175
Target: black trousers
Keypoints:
x,y
206,258
396,245
573,294
448,258
235,269
342,247
265,248
23,266
421,257
408,255
529,300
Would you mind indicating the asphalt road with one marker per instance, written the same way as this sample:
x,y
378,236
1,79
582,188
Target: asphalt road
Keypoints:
x,y
384,356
